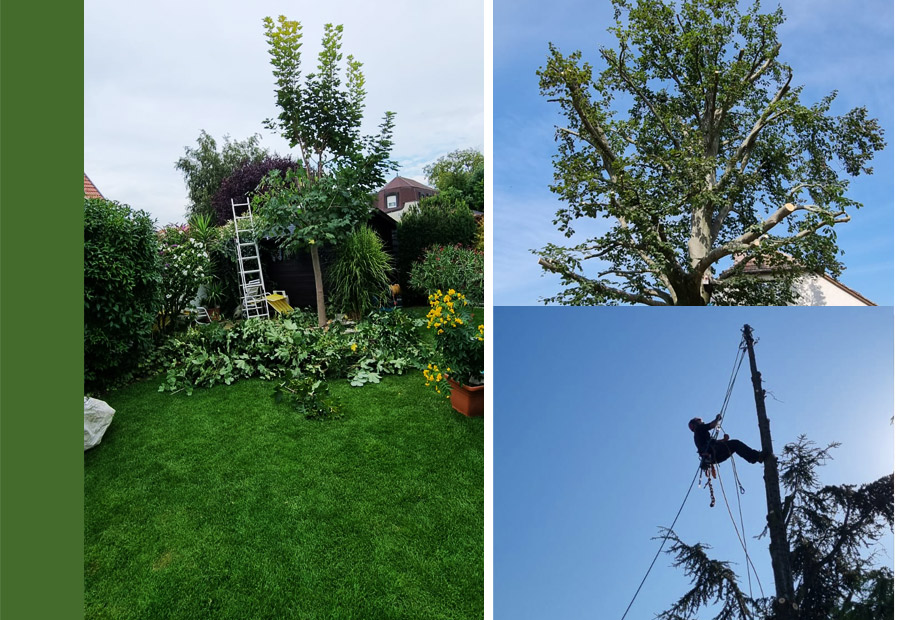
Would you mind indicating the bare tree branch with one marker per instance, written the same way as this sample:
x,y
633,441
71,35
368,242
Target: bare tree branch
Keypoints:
x,y
646,299
742,152
599,140
745,241
758,70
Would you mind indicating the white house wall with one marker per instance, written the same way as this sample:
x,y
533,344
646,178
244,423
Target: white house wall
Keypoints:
x,y
818,291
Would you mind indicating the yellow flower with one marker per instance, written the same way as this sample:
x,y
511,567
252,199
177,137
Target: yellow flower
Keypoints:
x,y
353,347
451,292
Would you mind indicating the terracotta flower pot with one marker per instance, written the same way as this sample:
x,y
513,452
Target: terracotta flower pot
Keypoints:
x,y
469,401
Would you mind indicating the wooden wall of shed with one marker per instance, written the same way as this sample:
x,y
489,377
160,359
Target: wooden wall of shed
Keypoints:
x,y
294,274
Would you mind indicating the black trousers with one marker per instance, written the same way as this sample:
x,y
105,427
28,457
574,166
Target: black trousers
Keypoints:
x,y
720,451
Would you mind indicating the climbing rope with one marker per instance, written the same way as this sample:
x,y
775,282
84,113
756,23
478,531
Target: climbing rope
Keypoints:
x,y
662,544
740,538
735,367
739,358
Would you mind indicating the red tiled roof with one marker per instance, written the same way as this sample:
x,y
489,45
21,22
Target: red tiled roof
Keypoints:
x,y
90,190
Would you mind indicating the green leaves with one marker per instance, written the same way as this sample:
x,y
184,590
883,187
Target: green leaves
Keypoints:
x,y
207,355
358,275
204,167
121,290
321,113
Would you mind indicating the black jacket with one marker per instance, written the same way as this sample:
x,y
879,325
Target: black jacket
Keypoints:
x,y
702,436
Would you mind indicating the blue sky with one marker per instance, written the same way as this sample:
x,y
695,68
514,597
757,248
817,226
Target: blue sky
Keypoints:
x,y
592,452
831,45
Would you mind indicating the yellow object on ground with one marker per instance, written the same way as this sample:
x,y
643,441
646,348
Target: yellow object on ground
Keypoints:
x,y
279,302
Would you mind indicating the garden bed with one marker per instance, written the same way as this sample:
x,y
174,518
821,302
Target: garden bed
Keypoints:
x,y
225,504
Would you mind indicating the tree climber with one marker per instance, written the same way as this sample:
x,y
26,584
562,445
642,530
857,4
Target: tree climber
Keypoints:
x,y
715,451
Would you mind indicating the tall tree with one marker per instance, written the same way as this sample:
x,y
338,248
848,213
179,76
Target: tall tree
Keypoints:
x,y
204,168
832,530
693,147
462,170
339,168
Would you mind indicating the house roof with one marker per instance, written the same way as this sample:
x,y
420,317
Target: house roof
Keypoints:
x,y
90,190
398,182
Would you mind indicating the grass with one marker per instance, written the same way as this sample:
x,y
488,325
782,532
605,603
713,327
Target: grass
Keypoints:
x,y
225,505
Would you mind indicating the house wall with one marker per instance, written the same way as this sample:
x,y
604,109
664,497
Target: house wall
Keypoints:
x,y
404,195
818,291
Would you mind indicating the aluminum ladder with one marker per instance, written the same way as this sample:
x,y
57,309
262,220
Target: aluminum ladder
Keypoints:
x,y
253,289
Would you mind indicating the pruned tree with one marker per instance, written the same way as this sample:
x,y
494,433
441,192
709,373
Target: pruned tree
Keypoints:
x,y
693,146
339,168
205,167
834,532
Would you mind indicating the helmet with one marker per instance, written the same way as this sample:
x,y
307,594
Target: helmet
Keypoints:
x,y
694,422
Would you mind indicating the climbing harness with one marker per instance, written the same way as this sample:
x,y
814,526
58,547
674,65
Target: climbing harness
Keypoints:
x,y
707,457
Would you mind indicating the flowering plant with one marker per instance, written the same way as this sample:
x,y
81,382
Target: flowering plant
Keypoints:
x,y
459,341
443,266
185,266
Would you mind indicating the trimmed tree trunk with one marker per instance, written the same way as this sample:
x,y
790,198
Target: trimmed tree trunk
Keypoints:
x,y
320,289
778,547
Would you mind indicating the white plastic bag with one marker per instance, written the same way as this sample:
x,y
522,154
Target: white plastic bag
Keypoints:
x,y
97,416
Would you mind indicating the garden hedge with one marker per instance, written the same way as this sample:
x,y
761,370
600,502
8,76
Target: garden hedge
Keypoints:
x,y
122,290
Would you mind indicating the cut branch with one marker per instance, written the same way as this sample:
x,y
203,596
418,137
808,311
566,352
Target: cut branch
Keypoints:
x,y
757,71
742,153
746,241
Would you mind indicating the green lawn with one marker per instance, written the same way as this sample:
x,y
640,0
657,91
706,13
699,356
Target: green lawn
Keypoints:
x,y
225,505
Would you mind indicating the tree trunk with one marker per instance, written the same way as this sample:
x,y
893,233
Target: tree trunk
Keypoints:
x,y
320,290
783,606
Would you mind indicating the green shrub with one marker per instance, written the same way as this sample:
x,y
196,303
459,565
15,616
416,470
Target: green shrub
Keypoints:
x,y
448,267
358,276
444,219
223,267
122,293
185,266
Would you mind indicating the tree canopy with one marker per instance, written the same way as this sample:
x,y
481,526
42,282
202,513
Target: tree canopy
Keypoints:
x,y
339,168
692,145
462,170
833,531
204,168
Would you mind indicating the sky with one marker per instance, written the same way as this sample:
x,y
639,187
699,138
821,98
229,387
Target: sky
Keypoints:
x,y
831,44
592,453
155,74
